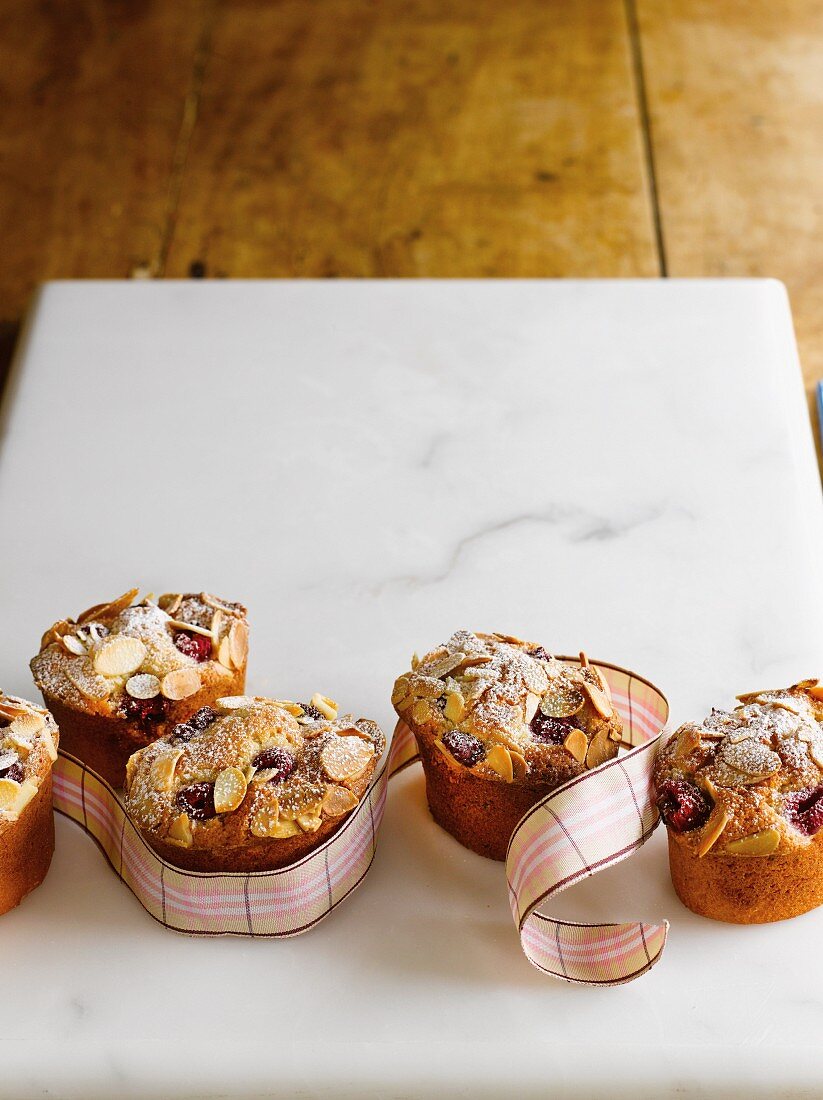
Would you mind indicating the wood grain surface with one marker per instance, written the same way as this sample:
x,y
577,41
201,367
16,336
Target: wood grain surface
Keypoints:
x,y
254,138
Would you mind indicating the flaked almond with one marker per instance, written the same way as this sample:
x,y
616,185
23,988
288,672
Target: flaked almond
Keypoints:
x,y
119,656
14,797
26,725
48,743
229,790
162,770
421,711
455,707
265,819
326,706
309,823
284,829
239,643
600,749
687,741
192,628
576,744
562,700
212,601
74,645
92,687
9,790
170,602
224,653
520,769
816,690
11,709
751,757
499,760
180,831
235,702
756,844
143,686
532,703
404,704
718,820
180,684
215,627
337,801
400,689
109,610
599,699
345,757
816,752
287,705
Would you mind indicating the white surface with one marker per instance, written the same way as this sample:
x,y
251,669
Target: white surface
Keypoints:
x,y
624,467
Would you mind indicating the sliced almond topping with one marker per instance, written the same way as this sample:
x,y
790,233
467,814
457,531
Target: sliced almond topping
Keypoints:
x,y
119,656
751,757
12,710
92,687
287,704
404,704
73,645
180,831
178,624
718,820
499,760
520,768
816,752
562,700
326,706
212,601
170,602
616,735
143,686
239,643
604,683
162,770
180,684
757,844
109,609
265,819
687,741
577,745
224,653
345,757
229,790
284,829
337,801
48,742
599,699
309,823
455,707
9,790
235,702
400,689
216,626
532,703
421,711
816,690
26,725
600,749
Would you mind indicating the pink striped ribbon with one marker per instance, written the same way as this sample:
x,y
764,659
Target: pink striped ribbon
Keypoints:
x,y
590,823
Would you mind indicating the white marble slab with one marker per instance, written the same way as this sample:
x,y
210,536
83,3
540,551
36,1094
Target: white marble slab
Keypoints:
x,y
625,467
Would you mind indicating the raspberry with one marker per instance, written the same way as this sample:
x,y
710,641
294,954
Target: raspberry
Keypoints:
x,y
197,801
805,810
196,646
145,713
465,748
280,760
548,730
682,805
539,653
203,718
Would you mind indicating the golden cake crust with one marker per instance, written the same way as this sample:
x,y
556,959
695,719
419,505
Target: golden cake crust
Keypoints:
x,y
28,749
260,784
125,671
742,797
499,724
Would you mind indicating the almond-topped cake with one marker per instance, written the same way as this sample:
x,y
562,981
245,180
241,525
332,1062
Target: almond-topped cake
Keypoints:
x,y
125,671
741,794
500,723
28,749
251,784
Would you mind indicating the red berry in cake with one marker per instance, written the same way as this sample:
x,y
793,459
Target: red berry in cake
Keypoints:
x,y
540,654
805,810
465,748
278,759
196,646
311,712
682,805
548,730
197,801
203,718
144,712
13,771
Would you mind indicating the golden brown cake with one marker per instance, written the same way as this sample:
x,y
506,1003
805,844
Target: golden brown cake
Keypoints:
x,y
28,749
251,784
499,724
741,795
127,671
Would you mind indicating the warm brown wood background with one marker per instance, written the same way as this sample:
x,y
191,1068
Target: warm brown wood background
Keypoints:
x,y
412,137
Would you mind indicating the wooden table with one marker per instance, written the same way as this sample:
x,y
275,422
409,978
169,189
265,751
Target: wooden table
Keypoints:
x,y
413,138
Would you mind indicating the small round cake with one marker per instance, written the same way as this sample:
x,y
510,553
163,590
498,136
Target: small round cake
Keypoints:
x,y
499,724
28,749
127,671
251,784
741,795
